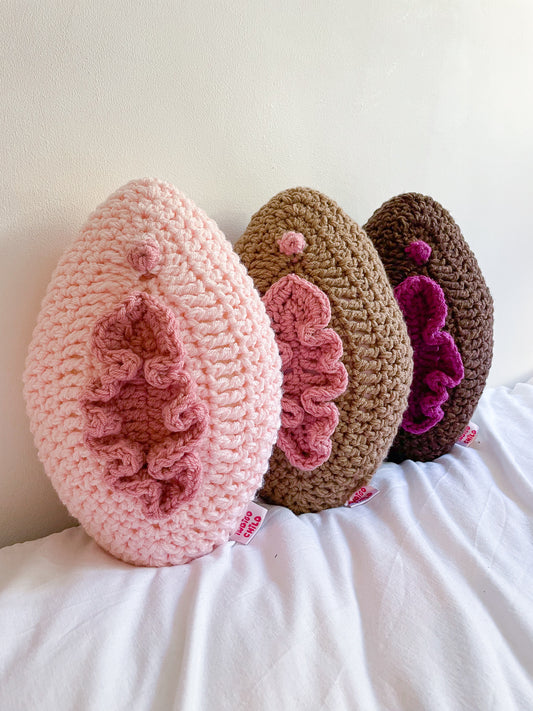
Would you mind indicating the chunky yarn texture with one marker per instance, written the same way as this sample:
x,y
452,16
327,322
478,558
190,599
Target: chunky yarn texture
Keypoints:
x,y
449,312
345,350
313,375
153,379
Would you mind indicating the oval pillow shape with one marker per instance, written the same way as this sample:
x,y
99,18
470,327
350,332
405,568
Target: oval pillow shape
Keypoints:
x,y
345,351
449,313
153,379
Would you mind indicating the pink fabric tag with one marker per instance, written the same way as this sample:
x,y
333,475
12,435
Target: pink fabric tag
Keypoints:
x,y
361,496
469,436
250,523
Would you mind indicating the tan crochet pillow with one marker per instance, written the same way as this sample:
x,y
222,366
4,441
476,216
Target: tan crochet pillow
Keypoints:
x,y
345,350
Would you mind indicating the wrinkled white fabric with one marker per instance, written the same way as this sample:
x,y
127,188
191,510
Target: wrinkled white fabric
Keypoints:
x,y
420,599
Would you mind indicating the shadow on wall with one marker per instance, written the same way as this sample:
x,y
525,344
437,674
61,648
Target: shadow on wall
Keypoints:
x,y
233,224
29,506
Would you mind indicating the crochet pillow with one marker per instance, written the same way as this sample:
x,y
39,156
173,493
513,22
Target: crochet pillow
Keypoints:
x,y
345,352
153,379
449,313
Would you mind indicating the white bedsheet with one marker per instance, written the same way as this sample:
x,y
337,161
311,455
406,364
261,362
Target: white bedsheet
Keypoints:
x,y
420,599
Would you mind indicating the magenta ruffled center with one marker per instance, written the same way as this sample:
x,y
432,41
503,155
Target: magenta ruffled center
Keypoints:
x,y
313,375
437,362
142,415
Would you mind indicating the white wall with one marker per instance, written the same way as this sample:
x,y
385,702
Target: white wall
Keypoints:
x,y
234,101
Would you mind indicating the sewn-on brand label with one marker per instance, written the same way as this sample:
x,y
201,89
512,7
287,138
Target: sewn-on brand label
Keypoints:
x,y
469,436
362,496
250,523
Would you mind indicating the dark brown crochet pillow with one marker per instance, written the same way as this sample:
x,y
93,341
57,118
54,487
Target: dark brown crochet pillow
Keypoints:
x,y
449,313
345,350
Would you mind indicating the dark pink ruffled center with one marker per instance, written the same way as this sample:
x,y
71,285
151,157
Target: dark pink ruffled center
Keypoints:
x,y
437,362
142,414
313,375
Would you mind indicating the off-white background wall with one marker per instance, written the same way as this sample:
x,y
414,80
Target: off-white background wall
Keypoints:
x,y
234,101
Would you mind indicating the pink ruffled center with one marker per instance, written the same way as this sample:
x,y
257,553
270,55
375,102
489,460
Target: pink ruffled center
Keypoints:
x,y
142,414
436,359
313,375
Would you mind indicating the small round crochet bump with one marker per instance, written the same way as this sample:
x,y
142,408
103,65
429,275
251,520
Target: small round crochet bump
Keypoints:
x,y
154,402
419,251
292,243
449,312
145,255
345,351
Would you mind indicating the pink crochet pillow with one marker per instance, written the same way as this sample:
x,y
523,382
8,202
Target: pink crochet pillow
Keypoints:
x,y
153,380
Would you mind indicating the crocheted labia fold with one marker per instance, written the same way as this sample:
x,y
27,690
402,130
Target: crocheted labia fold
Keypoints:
x,y
437,361
143,418
313,375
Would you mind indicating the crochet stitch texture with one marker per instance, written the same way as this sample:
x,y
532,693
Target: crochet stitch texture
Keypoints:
x,y
153,380
335,258
313,375
416,237
437,362
142,414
